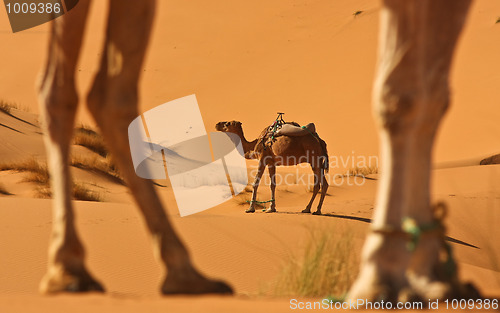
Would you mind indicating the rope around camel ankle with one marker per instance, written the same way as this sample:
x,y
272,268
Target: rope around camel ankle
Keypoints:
x,y
410,228
261,202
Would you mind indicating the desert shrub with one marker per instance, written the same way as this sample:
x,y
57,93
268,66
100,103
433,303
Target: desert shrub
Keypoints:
x,y
327,267
37,172
6,107
362,171
81,192
87,137
97,164
78,191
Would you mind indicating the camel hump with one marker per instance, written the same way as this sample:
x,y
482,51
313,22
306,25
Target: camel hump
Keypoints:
x,y
295,131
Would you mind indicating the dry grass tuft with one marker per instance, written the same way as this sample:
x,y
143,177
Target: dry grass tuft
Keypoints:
x,y
6,107
89,138
43,192
38,173
98,165
362,171
79,192
3,190
39,177
327,267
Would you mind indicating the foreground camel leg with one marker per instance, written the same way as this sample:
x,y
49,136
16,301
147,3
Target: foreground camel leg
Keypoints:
x,y
272,175
113,103
59,100
411,95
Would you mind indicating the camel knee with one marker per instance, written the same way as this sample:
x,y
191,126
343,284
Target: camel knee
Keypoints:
x,y
324,185
401,111
97,95
58,104
255,185
57,94
114,100
316,188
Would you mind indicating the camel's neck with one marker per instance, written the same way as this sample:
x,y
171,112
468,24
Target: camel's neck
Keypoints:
x,y
247,145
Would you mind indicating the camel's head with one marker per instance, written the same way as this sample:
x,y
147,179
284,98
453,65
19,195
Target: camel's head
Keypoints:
x,y
232,127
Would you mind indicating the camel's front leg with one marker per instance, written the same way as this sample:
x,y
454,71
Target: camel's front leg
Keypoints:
x,y
113,103
59,100
272,175
256,182
410,98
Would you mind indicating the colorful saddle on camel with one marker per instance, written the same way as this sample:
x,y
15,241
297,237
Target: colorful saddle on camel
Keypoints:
x,y
296,131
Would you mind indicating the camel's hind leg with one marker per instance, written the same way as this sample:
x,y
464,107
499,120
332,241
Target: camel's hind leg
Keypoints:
x,y
113,103
410,97
324,188
272,176
317,180
59,100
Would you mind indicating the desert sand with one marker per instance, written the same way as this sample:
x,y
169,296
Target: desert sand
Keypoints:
x,y
245,61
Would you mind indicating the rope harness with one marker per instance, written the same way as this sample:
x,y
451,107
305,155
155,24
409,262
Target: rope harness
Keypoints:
x,y
260,202
275,126
413,232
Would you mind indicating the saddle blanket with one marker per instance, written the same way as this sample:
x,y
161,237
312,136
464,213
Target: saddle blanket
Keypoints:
x,y
295,131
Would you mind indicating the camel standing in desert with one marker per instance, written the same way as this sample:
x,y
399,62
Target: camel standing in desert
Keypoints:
x,y
411,95
283,150
113,103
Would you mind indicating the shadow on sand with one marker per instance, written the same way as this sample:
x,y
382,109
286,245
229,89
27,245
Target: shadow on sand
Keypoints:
x,y
368,220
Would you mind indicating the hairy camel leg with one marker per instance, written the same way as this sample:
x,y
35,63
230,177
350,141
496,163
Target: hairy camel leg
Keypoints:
x,y
272,175
324,188
317,180
256,182
59,100
113,103
411,95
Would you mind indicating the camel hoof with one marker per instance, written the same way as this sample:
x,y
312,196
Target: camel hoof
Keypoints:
x,y
270,210
306,211
199,286
317,213
250,210
69,283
